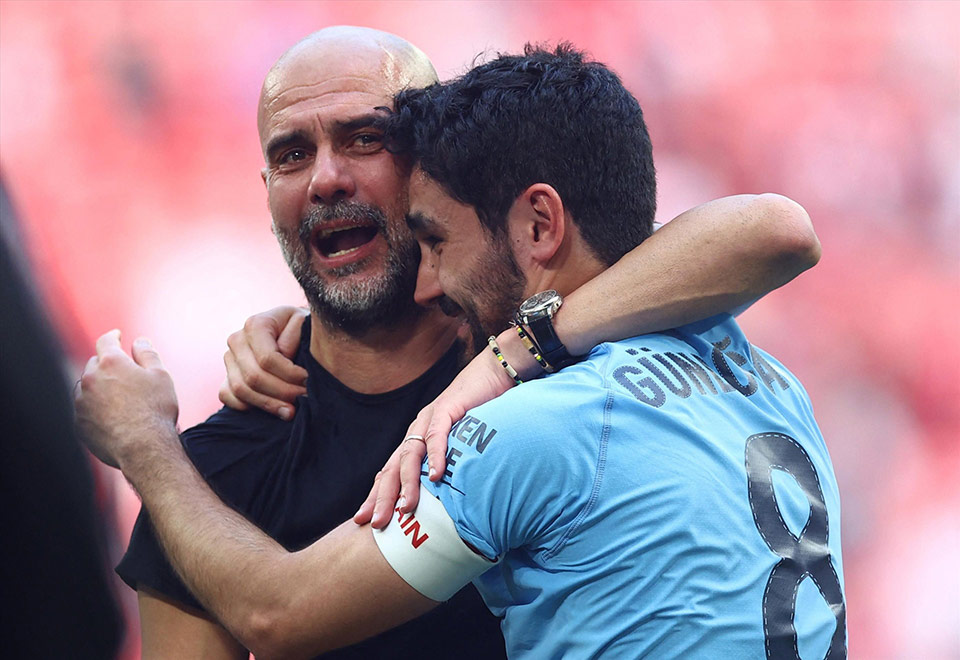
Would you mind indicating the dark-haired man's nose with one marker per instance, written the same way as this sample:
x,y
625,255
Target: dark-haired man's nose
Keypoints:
x,y
428,289
331,181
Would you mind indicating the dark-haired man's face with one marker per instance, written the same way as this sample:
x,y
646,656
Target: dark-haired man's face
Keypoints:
x,y
464,269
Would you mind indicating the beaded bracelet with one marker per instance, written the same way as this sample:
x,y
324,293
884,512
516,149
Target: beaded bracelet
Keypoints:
x,y
492,341
534,351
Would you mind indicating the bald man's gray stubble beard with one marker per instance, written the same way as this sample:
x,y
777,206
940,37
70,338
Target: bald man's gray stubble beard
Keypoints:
x,y
354,305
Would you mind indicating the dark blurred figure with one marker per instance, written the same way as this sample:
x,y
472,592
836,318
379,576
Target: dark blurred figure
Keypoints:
x,y
55,587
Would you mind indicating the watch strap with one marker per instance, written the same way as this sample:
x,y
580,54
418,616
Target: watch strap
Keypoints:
x,y
551,348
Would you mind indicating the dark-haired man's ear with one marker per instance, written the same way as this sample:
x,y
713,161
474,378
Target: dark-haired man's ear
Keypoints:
x,y
537,224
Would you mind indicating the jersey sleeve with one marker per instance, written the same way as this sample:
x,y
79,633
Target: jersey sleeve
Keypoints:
x,y
425,549
522,469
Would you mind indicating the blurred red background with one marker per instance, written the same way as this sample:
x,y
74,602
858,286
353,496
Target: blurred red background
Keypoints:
x,y
128,142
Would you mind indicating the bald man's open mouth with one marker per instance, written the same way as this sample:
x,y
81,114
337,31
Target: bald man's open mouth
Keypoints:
x,y
340,241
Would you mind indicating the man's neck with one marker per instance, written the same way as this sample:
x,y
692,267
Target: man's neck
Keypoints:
x,y
572,266
383,359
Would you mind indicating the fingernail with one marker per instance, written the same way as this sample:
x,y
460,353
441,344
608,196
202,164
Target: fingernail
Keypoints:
x,y
402,502
432,472
141,342
286,414
375,519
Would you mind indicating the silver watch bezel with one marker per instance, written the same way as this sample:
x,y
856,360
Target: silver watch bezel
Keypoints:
x,y
540,305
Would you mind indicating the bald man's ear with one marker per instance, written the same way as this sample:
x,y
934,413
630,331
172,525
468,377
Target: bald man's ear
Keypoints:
x,y
537,223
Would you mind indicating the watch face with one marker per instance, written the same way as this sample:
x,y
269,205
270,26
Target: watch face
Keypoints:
x,y
541,303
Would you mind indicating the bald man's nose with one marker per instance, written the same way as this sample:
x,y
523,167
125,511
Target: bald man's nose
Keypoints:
x,y
428,289
331,180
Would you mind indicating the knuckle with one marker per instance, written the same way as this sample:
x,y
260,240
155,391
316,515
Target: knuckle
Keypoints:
x,y
271,362
244,393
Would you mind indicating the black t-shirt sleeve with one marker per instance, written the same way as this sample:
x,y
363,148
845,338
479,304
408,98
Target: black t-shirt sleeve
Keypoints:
x,y
145,565
230,451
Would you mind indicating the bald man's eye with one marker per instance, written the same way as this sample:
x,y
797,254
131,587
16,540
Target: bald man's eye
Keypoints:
x,y
367,142
292,156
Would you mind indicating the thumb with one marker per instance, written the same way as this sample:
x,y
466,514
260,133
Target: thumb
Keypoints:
x,y
145,354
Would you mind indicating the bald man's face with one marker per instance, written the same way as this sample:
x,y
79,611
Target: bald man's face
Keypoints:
x,y
337,197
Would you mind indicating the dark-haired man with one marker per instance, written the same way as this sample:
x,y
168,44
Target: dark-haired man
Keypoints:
x,y
527,504
338,201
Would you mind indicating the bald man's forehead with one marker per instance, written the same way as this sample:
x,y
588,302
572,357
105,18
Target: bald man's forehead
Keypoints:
x,y
320,65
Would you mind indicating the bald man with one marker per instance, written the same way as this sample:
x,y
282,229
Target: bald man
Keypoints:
x,y
374,358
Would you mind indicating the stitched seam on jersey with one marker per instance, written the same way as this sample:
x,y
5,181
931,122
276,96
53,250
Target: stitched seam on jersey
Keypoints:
x,y
783,524
597,480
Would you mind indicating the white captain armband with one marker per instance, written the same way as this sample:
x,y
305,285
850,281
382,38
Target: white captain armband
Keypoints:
x,y
424,548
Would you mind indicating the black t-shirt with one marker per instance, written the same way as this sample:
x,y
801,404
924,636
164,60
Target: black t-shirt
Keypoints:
x,y
298,480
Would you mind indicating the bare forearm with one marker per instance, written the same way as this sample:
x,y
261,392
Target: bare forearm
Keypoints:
x,y
230,565
337,591
712,259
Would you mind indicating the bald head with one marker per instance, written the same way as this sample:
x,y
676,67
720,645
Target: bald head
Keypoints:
x,y
385,61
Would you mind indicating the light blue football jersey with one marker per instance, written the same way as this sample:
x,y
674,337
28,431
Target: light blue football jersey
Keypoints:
x,y
670,496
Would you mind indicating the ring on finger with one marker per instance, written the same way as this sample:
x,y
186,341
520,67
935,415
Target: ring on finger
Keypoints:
x,y
415,437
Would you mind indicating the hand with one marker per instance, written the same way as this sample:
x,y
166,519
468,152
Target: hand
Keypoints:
x,y
480,381
260,372
121,402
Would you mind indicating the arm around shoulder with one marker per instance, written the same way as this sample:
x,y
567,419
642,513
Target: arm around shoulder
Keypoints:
x,y
717,257
788,231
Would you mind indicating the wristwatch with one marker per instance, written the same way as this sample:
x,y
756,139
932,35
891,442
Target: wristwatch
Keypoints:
x,y
536,314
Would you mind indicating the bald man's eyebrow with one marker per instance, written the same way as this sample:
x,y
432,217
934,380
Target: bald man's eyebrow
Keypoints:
x,y
283,141
363,121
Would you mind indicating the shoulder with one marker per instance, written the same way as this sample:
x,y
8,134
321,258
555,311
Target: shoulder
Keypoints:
x,y
232,440
522,468
531,418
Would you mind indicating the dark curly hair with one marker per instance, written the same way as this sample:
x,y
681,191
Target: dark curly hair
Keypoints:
x,y
547,116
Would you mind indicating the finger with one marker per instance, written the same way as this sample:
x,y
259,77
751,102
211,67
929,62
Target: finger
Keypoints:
x,y
88,370
263,352
90,366
109,341
289,339
388,489
435,438
411,468
145,354
239,392
255,372
365,512
269,385
227,398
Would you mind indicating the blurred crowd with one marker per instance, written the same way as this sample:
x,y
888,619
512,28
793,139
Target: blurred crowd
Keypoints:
x,y
128,144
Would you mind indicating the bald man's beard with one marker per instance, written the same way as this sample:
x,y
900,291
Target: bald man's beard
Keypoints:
x,y
354,305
